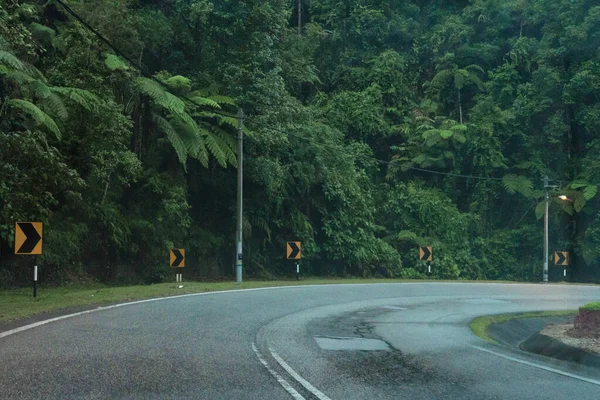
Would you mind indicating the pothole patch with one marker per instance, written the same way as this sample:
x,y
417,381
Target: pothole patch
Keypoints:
x,y
333,343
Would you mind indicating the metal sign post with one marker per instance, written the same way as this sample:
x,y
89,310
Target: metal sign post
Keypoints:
x,y
28,241
35,278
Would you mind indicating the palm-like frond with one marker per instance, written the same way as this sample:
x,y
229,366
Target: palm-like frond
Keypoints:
x,y
517,184
441,77
222,100
15,76
81,97
41,33
225,141
173,138
11,60
40,117
192,139
159,95
204,101
114,62
55,106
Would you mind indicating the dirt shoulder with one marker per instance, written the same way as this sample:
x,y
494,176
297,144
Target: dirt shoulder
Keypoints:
x,y
561,333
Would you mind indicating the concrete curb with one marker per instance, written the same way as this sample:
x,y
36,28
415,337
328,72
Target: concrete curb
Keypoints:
x,y
550,347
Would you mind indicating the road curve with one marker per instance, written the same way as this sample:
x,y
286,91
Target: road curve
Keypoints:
x,y
269,344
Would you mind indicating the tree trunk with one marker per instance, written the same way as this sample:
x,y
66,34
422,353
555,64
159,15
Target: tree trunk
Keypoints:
x,y
299,17
459,107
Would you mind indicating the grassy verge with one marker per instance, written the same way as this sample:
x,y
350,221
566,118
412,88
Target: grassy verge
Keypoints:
x,y
479,326
19,303
591,307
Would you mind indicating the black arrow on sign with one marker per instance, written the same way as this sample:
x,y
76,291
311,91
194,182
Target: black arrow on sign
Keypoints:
x,y
426,253
561,258
178,257
33,237
295,250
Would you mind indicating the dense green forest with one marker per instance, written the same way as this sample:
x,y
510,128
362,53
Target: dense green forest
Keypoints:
x,y
373,127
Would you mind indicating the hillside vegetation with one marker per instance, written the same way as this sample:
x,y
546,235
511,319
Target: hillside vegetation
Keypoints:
x,y
373,127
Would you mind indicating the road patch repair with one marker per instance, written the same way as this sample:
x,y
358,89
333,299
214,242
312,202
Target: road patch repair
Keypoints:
x,y
333,343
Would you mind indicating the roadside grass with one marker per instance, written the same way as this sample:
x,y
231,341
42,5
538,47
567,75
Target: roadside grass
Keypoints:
x,y
591,307
480,325
19,303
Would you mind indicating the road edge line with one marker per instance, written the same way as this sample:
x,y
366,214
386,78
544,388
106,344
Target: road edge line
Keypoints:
x,y
531,364
320,395
103,308
280,379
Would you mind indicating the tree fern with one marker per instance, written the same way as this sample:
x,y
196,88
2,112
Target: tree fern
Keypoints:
x,y
11,60
178,82
42,33
173,138
407,236
222,100
225,141
15,76
40,117
55,106
214,146
590,192
114,62
192,139
517,184
81,97
159,95
204,101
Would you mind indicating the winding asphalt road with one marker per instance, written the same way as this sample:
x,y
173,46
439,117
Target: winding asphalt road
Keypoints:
x,y
398,341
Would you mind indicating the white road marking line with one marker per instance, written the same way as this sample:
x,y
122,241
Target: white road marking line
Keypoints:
x,y
320,395
40,323
279,378
556,371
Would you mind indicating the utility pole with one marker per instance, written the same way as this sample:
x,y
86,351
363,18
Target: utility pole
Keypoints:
x,y
240,176
547,200
546,231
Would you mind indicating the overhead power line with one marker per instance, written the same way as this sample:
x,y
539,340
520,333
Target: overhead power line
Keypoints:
x,y
477,177
134,64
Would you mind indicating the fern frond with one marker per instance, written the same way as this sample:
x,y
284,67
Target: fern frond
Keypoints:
x,y
159,95
178,82
81,97
517,184
213,145
231,121
540,210
204,101
18,77
590,192
11,60
114,62
474,67
41,33
441,77
40,117
408,236
40,89
173,138
192,139
54,104
223,100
